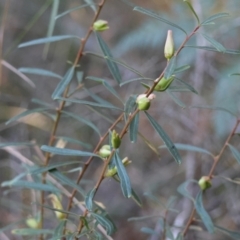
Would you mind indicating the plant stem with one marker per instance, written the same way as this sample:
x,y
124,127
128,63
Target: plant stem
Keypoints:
x,y
210,175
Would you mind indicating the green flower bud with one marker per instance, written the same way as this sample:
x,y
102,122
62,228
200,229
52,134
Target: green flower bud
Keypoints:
x,y
143,102
33,223
110,172
105,151
169,46
163,84
205,182
100,25
116,140
58,205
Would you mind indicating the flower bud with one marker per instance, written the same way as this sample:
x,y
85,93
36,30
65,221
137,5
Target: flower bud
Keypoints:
x,y
205,182
143,102
105,151
169,46
33,223
100,25
163,84
58,205
116,140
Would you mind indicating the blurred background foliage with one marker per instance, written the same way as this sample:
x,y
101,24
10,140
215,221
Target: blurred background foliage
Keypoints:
x,y
137,40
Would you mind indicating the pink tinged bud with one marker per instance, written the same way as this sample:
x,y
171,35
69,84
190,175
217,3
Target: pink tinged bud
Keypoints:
x,y
169,46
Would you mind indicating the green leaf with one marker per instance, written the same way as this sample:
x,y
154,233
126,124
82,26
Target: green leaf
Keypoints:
x,y
59,230
25,113
214,17
182,189
71,140
87,122
171,147
187,147
39,169
92,3
113,68
12,224
30,231
216,44
234,74
42,103
72,9
89,199
106,85
79,76
39,71
7,144
148,231
215,108
67,152
232,234
175,99
133,128
105,222
181,69
235,153
156,16
65,180
135,79
125,65
123,176
229,51
193,11
63,83
31,185
51,25
188,86
46,40
136,198
130,106
89,103
207,221
170,68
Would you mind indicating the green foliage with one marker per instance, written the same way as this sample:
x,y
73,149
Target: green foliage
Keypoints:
x,y
77,159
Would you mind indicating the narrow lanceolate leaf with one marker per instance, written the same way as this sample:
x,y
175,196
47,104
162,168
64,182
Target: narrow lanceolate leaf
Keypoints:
x,y
93,104
175,99
89,199
171,147
71,10
31,232
38,71
63,83
31,185
25,113
149,231
80,119
67,152
182,189
214,17
192,148
123,176
135,79
192,9
235,153
46,40
215,43
106,85
105,222
133,128
188,86
113,68
232,234
182,68
59,230
75,141
136,198
156,16
38,169
92,3
65,180
170,68
234,74
17,144
213,49
207,221
130,106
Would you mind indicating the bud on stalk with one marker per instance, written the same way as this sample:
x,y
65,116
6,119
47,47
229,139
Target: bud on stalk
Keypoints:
x,y
204,182
169,46
116,140
100,25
